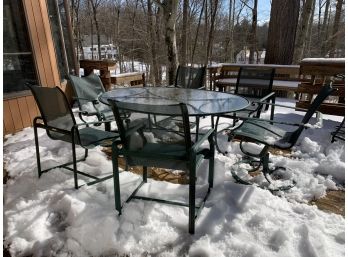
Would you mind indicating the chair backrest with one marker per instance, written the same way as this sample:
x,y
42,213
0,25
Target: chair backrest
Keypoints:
x,y
178,111
54,108
254,81
190,77
323,94
86,89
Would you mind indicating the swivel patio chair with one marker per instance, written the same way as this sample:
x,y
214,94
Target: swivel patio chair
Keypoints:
x,y
255,84
266,133
87,90
185,156
59,122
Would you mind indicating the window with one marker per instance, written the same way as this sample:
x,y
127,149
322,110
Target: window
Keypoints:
x,y
18,65
59,29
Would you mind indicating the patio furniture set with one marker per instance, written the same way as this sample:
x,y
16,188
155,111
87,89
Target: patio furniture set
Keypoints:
x,y
156,110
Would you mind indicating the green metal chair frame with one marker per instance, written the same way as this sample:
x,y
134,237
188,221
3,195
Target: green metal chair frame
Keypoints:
x,y
87,90
260,130
254,83
59,122
186,157
193,78
339,132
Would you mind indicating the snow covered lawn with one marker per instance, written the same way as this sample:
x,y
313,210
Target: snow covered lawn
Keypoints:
x,y
48,217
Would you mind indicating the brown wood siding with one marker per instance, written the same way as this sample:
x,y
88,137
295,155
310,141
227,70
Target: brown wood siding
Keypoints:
x,y
16,115
8,121
19,113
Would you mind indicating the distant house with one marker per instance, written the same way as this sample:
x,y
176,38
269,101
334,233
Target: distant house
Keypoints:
x,y
243,56
107,52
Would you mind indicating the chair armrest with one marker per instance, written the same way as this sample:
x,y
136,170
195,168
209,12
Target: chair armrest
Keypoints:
x,y
201,140
92,122
277,122
281,105
269,96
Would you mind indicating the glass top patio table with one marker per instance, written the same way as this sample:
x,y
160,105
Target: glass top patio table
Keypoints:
x,y
199,102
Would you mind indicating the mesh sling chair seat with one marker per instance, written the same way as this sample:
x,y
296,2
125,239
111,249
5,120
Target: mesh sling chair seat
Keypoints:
x,y
59,122
180,156
268,134
87,90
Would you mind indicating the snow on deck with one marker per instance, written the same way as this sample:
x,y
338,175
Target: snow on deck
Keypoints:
x,y
48,217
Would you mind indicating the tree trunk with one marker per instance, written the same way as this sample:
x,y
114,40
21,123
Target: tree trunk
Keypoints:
x,y
253,36
282,31
308,39
302,31
154,71
94,6
324,33
334,35
183,52
170,8
214,7
232,31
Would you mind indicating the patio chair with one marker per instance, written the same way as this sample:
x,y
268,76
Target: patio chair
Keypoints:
x,y
59,122
185,156
266,133
87,91
339,132
190,77
255,84
193,78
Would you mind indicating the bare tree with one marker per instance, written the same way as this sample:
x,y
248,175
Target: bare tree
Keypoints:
x,y
154,68
335,29
213,10
169,8
183,52
302,31
325,31
282,31
95,4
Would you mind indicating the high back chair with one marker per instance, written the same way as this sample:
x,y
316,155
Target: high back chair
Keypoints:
x,y
87,90
268,134
190,77
59,122
255,84
184,156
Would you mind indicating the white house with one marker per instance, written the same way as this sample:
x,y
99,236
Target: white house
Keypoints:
x,y
107,52
243,56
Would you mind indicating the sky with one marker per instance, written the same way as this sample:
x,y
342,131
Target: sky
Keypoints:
x,y
264,9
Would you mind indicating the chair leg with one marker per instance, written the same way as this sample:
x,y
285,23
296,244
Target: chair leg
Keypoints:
x,y
107,126
211,163
192,198
37,151
116,179
145,174
197,128
74,163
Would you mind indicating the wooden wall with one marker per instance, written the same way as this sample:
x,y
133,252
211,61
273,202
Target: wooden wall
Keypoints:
x,y
20,111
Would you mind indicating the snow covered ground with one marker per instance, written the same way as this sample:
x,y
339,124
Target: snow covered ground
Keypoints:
x,y
48,217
